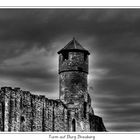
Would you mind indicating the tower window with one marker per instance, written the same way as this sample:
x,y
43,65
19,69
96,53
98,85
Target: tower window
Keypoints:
x,y
85,57
80,68
65,56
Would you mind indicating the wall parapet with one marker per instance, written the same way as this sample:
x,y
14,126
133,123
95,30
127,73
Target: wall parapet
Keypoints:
x,y
23,111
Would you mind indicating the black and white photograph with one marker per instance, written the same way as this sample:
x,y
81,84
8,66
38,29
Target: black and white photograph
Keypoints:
x,y
70,70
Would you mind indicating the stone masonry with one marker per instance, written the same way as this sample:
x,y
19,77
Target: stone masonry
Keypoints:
x,y
25,112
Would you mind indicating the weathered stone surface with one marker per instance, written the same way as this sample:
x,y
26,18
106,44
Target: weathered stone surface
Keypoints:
x,y
73,85
23,111
1,111
96,123
73,70
75,61
46,115
26,111
6,91
17,109
38,117
12,111
60,120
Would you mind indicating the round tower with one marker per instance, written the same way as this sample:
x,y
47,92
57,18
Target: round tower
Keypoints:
x,y
73,71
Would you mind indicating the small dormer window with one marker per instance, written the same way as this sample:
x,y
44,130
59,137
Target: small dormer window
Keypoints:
x,y
65,56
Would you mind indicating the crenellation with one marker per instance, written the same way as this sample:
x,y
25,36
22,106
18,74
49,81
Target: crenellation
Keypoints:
x,y
26,111
12,111
6,91
17,109
46,111
39,113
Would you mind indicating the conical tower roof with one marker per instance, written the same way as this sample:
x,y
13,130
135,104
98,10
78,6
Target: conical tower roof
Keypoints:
x,y
73,45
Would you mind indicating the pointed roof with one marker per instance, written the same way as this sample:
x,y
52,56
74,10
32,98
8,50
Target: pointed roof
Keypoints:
x,y
73,45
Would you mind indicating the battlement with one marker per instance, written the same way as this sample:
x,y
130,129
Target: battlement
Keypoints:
x,y
23,111
26,112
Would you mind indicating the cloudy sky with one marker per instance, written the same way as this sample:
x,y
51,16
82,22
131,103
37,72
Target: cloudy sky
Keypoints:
x,y
30,39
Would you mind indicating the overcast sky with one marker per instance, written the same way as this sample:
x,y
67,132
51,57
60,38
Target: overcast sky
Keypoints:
x,y
30,39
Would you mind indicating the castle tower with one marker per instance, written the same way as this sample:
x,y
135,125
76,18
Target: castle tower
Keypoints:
x,y
73,71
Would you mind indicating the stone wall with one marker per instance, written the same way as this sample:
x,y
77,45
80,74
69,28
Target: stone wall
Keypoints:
x,y
96,123
23,111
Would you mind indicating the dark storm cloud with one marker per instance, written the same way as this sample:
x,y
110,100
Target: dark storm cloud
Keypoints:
x,y
39,25
30,39
118,90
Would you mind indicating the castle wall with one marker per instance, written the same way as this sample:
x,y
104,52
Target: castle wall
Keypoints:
x,y
37,112
66,119
23,111
17,111
81,118
96,123
6,103
51,115
26,109
47,121
1,111
12,111
58,117
14,120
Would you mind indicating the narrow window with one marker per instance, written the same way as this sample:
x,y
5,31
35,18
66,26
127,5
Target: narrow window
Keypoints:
x,y
80,68
85,109
73,125
22,119
65,56
85,57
